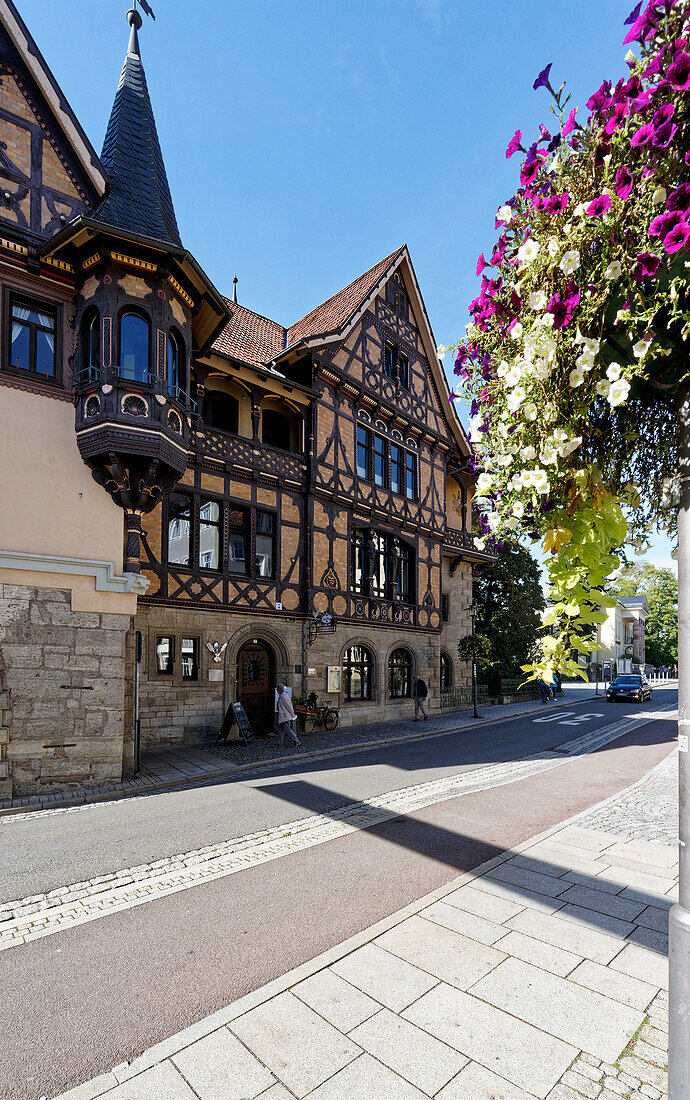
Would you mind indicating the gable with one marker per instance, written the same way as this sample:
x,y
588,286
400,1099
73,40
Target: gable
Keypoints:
x,y
390,330
43,184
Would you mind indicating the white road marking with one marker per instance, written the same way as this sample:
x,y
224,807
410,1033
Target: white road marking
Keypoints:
x,y
580,718
554,717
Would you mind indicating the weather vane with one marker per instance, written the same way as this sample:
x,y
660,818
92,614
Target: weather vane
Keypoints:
x,y
145,7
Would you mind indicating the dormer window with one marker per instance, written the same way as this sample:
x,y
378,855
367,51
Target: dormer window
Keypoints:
x,y
396,365
134,347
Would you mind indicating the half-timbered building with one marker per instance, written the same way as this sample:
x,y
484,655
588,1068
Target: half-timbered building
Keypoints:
x,y
189,487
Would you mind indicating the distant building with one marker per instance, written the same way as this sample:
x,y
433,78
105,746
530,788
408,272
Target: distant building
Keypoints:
x,y
622,636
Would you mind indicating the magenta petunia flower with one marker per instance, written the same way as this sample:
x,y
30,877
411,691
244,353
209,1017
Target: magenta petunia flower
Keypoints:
x,y
601,97
599,206
514,144
680,198
663,135
542,80
643,27
570,123
481,263
677,238
562,306
663,114
617,117
643,136
679,73
624,182
664,223
647,263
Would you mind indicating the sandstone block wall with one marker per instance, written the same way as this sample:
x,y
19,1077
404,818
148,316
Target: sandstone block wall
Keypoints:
x,y
62,692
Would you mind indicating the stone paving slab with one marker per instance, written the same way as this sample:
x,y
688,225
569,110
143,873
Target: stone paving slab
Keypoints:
x,y
378,1016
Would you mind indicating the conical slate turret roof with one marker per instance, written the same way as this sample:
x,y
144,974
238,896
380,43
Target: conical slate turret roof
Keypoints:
x,y
139,198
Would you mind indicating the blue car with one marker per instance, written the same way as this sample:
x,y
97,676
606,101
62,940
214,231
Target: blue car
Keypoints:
x,y
637,688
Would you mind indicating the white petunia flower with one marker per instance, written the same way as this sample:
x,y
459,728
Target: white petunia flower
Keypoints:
x,y
614,372
581,209
550,413
537,300
518,509
513,375
529,454
441,351
576,378
567,448
614,270
502,368
528,251
505,214
484,483
515,398
630,58
548,455
530,411
553,246
493,520
618,394
659,196
570,262
516,331
540,481
585,361
642,347
479,543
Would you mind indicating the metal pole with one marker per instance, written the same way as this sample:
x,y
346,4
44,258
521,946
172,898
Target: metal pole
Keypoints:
x,y
474,689
137,719
679,918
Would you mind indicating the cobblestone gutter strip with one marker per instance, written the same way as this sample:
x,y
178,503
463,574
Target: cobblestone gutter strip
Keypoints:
x,y
646,811
145,783
42,915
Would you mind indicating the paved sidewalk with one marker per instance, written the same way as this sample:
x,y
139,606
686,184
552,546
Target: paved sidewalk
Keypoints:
x,y
542,974
176,767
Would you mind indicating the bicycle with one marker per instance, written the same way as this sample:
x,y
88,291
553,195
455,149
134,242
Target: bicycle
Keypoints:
x,y
311,716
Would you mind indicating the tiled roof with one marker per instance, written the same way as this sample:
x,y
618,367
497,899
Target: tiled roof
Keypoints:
x,y
249,336
333,313
255,339
139,198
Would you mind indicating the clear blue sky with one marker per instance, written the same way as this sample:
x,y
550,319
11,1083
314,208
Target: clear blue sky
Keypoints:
x,y
306,139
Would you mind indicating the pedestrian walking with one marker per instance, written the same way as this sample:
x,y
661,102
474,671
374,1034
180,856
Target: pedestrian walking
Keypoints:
x,y
544,691
286,715
419,694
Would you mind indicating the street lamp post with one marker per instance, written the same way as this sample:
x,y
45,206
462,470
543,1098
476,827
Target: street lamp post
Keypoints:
x,y
473,611
679,919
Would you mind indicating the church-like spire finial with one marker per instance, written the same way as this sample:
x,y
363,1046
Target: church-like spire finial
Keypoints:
x,y
134,20
138,198
234,288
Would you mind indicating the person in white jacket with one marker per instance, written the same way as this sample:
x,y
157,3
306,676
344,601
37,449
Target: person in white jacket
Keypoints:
x,y
286,715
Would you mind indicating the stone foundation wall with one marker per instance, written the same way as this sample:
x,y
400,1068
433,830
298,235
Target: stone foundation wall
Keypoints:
x,y
62,692
176,711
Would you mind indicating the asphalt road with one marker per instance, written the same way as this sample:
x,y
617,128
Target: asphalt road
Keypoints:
x,y
85,999
41,853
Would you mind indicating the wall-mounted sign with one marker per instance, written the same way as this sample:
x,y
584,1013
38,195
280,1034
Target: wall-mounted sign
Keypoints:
x,y
216,674
333,678
319,670
311,672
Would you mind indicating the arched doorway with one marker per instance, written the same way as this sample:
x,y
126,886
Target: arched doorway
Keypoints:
x,y
256,685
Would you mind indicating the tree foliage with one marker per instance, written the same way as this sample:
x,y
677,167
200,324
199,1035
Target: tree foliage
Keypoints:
x,y
475,648
577,349
661,589
509,600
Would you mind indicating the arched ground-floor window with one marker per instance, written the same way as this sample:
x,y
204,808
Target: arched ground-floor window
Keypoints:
x,y
400,674
446,672
358,672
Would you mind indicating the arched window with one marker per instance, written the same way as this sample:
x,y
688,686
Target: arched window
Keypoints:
x,y
358,672
275,429
91,344
221,411
176,363
446,672
134,347
400,674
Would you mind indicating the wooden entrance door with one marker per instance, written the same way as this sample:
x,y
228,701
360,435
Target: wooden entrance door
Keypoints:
x,y
256,685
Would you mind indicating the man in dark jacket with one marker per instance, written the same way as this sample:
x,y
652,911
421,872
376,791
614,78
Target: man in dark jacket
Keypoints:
x,y
419,694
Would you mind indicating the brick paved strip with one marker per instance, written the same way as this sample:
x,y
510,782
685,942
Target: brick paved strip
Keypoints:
x,y
42,915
